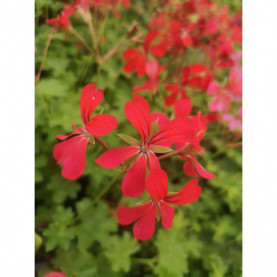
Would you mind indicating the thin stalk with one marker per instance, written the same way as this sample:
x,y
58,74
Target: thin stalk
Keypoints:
x,y
50,36
100,141
174,153
72,31
107,187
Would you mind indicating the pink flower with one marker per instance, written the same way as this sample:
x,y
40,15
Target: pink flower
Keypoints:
x,y
158,205
140,155
72,151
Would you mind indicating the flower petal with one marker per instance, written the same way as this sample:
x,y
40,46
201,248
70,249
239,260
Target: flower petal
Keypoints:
x,y
153,161
188,168
152,34
162,119
127,215
138,113
197,68
133,183
188,194
156,184
72,153
114,157
102,124
183,107
90,98
202,171
145,227
55,274
167,215
130,53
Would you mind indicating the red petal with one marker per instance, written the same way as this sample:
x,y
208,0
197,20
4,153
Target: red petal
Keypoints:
x,y
158,50
169,100
153,161
183,107
152,70
138,113
152,34
167,215
188,194
156,184
130,53
203,172
175,26
177,130
140,66
127,215
225,64
162,119
146,86
188,168
76,132
72,153
197,68
90,99
185,73
133,183
130,66
195,82
145,227
102,124
116,156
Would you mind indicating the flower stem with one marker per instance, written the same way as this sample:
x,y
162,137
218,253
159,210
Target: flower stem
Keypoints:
x,y
50,36
100,141
72,31
174,153
107,187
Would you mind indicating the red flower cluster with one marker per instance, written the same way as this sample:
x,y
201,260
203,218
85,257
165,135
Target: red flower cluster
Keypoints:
x,y
174,31
195,24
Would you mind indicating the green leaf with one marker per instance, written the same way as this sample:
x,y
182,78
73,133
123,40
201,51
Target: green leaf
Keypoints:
x,y
129,140
119,251
160,149
62,188
75,263
38,241
58,233
96,225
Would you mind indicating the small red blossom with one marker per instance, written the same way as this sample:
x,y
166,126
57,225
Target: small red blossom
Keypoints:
x,y
158,205
62,21
153,69
72,151
137,59
141,155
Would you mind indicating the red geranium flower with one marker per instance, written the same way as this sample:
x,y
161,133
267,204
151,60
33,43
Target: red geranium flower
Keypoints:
x,y
141,154
136,59
62,21
157,206
153,69
190,77
72,151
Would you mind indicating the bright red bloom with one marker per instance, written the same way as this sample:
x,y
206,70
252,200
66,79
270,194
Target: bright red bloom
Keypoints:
x,y
72,151
55,274
141,154
136,59
190,77
158,205
62,21
153,69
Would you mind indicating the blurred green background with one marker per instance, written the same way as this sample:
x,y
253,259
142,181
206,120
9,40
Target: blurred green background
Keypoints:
x,y
82,239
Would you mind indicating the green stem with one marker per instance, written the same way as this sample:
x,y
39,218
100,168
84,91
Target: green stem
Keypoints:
x,y
107,187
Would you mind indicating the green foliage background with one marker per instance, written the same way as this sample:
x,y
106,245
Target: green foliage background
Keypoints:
x,y
80,236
